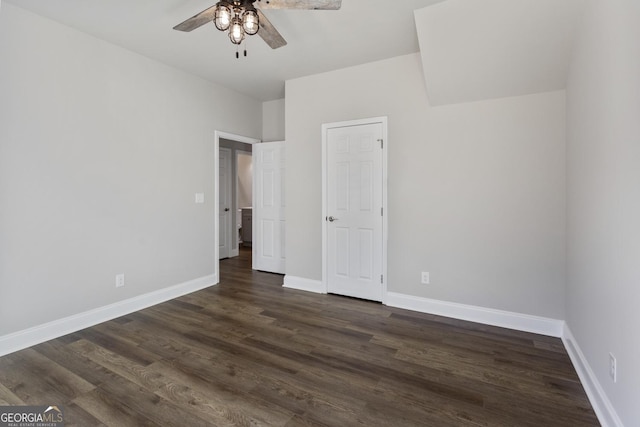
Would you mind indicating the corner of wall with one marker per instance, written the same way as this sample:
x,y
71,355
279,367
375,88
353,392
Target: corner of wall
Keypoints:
x,y
601,404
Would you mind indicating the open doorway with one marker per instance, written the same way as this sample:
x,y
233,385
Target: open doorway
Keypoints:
x,y
235,197
228,200
244,198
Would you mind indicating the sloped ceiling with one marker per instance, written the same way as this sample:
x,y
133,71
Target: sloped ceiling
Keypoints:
x,y
475,50
318,41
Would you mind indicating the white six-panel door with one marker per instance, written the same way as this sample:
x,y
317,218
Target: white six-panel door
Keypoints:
x,y
269,207
224,174
353,206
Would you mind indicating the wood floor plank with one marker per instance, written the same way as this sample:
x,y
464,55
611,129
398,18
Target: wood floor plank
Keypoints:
x,y
111,411
120,365
75,416
36,379
79,364
228,401
7,397
118,345
249,352
430,408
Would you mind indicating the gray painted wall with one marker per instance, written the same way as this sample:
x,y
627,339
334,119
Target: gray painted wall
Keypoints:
x,y
101,153
273,120
603,110
476,191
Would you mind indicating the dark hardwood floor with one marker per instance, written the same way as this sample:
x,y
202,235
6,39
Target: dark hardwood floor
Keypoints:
x,y
248,352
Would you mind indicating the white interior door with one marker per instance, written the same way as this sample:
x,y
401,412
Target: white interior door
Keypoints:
x,y
354,207
224,214
269,207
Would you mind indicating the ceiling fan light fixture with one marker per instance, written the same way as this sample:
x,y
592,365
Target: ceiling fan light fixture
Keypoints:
x,y
236,32
242,18
250,22
222,17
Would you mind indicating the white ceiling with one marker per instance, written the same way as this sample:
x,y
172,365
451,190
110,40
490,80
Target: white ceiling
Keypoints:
x,y
474,50
362,31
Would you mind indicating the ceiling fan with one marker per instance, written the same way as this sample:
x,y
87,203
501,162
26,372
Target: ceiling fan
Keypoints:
x,y
244,17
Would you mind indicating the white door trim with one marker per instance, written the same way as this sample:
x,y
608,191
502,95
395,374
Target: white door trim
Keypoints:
x,y
217,135
325,246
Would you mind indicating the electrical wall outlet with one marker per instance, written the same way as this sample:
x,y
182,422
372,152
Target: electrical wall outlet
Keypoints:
x,y
119,280
613,367
425,278
199,198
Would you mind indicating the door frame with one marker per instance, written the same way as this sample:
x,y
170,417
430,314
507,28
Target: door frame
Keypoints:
x,y
217,135
325,230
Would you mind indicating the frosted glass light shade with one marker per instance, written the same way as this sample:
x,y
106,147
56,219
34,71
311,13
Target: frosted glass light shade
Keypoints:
x,y
250,22
236,32
222,18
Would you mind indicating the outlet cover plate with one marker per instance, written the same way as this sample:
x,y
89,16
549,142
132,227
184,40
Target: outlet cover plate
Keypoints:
x,y
425,278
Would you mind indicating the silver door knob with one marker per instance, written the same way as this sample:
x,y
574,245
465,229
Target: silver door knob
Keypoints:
x,y
331,219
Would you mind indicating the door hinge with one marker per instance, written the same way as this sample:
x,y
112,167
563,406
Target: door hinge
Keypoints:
x,y
381,141
381,279
381,211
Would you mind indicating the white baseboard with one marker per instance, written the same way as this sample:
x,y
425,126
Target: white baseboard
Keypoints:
x,y
57,328
303,284
488,316
601,405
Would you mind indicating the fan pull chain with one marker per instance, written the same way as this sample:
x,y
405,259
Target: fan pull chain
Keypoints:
x,y
238,51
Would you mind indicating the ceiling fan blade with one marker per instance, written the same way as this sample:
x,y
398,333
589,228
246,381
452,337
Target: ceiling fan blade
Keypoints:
x,y
268,32
299,4
197,21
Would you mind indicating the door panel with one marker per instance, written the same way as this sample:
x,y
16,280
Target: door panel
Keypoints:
x,y
354,207
268,237
269,212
